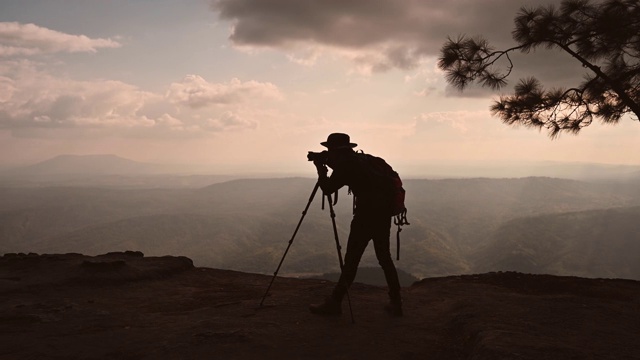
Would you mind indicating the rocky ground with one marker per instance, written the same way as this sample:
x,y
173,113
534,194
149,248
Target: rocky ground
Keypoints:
x,y
127,306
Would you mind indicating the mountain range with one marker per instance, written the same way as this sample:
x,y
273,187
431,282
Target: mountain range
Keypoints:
x,y
458,226
577,243
108,170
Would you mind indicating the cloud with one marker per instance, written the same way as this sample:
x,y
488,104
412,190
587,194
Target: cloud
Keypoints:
x,y
195,92
230,121
7,88
455,125
37,99
33,102
18,39
381,35
405,30
453,121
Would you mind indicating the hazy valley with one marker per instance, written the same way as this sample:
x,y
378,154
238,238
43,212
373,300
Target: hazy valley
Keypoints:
x,y
458,226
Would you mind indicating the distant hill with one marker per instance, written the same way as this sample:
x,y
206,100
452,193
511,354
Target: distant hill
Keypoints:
x,y
246,224
587,243
106,171
496,169
88,165
470,210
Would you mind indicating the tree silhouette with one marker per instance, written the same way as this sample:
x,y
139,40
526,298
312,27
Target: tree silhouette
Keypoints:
x,y
604,37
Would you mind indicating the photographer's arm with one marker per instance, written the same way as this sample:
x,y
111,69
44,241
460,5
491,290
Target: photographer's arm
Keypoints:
x,y
329,185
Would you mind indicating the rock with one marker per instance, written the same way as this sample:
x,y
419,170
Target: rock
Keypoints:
x,y
130,306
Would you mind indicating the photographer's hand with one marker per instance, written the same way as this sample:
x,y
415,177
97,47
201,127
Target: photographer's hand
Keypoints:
x,y
322,169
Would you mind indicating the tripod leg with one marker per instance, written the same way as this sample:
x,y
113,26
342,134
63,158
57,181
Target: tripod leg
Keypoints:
x,y
335,235
304,212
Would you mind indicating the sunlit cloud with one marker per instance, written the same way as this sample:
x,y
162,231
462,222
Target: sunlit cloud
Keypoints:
x,y
33,99
230,121
38,99
195,92
457,125
18,39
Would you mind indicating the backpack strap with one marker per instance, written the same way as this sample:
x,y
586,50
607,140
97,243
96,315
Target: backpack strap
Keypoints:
x,y
399,220
355,200
353,208
333,200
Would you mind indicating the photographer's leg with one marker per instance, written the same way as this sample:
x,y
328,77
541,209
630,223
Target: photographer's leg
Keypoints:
x,y
383,254
357,243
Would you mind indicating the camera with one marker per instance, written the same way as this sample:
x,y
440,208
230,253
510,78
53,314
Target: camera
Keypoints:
x,y
319,157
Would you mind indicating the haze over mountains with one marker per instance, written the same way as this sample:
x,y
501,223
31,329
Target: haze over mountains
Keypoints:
x,y
112,170
90,164
532,224
107,170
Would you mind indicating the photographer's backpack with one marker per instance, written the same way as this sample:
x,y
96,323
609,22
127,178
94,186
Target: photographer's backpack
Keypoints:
x,y
392,184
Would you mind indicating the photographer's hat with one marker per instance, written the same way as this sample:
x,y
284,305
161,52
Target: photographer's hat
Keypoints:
x,y
338,141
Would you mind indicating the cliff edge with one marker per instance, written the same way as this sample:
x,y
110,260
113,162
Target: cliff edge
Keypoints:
x,y
128,306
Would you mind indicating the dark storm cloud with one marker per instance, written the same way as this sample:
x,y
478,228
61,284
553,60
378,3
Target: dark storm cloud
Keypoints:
x,y
411,28
399,33
279,22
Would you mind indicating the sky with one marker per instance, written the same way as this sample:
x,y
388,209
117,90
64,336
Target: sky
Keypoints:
x,y
252,85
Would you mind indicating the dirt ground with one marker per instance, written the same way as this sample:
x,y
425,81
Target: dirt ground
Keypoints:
x,y
126,306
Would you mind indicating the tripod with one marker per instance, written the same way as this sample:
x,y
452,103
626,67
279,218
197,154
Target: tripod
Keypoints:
x,y
335,234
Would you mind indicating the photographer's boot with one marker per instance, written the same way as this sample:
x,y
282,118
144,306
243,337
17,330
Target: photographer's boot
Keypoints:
x,y
330,307
394,307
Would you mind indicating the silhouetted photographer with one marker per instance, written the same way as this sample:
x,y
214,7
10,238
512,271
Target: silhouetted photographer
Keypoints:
x,y
378,196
